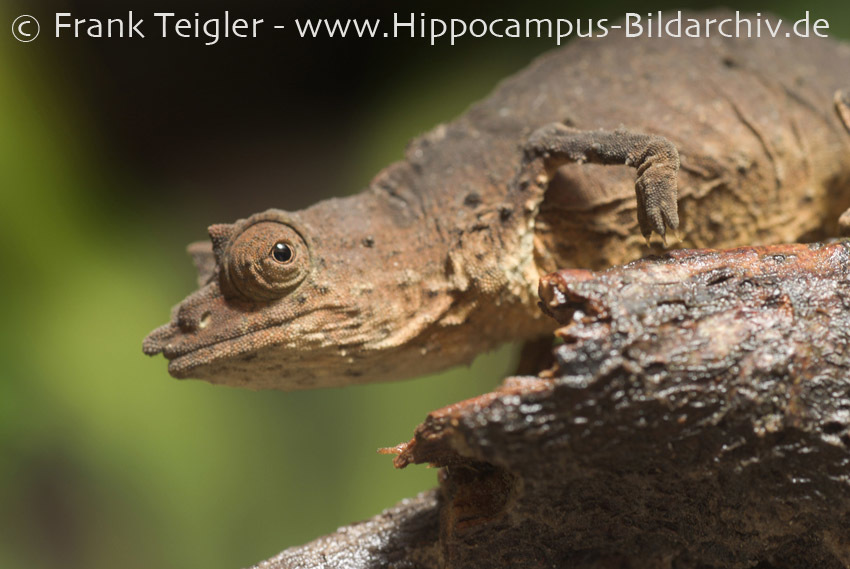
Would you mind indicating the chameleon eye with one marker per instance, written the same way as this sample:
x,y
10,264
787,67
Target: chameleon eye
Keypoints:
x,y
266,261
281,252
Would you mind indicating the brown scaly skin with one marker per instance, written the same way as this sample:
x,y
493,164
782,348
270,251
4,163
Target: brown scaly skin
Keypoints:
x,y
402,279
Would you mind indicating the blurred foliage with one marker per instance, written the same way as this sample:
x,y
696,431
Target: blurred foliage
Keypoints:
x,y
106,460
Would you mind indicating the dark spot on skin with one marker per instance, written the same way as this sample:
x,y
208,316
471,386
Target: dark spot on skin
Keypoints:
x,y
368,241
433,293
472,200
505,213
323,289
729,62
479,256
301,299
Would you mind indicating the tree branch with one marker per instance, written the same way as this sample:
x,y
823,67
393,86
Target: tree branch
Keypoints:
x,y
698,415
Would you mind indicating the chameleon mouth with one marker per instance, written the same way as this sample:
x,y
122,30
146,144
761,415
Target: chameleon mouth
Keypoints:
x,y
256,359
183,357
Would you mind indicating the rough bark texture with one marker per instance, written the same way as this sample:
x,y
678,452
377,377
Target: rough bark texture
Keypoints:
x,y
403,537
697,416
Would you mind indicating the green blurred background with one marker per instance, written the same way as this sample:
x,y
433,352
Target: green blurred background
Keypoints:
x,y
113,156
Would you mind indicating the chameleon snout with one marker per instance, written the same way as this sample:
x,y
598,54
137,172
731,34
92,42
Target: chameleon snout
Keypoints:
x,y
156,340
193,319
190,328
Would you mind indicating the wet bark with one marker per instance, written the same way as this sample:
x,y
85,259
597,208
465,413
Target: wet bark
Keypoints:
x,y
697,415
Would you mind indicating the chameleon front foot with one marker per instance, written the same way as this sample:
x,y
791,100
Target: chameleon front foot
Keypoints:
x,y
655,158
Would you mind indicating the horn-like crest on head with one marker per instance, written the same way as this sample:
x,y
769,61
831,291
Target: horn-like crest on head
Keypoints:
x,y
220,234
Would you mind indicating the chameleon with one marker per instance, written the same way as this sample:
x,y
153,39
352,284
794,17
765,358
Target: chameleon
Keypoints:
x,y
576,161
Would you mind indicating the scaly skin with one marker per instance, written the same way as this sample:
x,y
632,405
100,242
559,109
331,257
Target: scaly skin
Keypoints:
x,y
439,258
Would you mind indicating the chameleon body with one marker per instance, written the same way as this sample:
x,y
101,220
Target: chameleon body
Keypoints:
x,y
439,258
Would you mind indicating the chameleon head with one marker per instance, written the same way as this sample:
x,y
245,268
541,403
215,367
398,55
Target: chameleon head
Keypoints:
x,y
289,301
260,319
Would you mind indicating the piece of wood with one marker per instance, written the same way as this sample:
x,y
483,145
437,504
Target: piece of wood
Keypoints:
x,y
404,537
698,415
